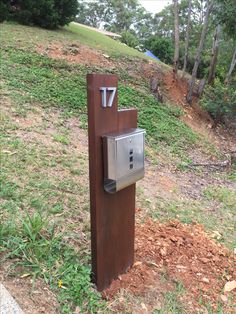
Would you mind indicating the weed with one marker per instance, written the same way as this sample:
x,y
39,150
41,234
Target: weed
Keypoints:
x,y
32,226
225,196
172,302
42,253
61,139
232,176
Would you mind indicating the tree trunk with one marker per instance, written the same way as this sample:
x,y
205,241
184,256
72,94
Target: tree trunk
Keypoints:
x,y
187,37
199,52
176,32
214,55
232,65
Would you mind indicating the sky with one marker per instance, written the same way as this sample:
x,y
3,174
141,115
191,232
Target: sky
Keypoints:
x,y
154,6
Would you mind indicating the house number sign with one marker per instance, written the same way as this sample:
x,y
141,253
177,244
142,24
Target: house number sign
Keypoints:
x,y
108,90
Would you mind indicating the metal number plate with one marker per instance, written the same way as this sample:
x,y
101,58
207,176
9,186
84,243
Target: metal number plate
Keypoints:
x,y
112,92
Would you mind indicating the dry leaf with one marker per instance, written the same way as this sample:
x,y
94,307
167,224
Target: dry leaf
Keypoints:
x,y
163,251
143,306
223,298
152,264
25,275
229,286
206,280
181,267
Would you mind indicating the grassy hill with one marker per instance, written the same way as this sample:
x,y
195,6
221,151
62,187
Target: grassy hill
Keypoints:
x,y
44,230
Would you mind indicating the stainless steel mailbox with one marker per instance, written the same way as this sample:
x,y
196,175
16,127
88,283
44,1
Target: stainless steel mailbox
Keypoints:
x,y
123,155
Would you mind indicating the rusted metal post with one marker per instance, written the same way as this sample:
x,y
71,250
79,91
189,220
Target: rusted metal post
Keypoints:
x,y
112,215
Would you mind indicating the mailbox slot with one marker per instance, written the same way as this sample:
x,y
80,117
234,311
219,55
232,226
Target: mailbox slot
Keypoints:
x,y
123,155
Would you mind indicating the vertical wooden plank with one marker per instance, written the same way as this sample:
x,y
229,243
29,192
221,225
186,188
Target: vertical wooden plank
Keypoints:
x,y
112,215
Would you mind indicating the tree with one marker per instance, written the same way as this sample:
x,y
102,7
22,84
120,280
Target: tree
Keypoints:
x,y
187,38
199,51
226,13
92,13
4,10
214,55
232,66
120,15
44,13
143,24
117,16
220,100
161,47
176,32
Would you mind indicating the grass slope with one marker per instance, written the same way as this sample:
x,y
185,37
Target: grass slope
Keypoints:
x,y
99,41
33,78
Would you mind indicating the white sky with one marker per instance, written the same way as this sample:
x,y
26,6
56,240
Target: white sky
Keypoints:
x,y
154,6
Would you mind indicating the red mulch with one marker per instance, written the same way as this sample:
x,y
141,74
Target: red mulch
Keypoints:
x,y
186,254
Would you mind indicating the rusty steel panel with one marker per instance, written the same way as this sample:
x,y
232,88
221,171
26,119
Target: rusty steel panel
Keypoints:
x,y
112,215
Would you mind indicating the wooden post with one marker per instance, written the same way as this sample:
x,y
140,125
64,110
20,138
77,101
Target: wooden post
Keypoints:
x,y
112,215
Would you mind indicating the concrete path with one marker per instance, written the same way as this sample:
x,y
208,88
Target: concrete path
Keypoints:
x,y
8,304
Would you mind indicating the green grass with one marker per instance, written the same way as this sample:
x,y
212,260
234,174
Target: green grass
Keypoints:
x,y
31,240
31,196
225,196
99,41
172,301
31,78
30,37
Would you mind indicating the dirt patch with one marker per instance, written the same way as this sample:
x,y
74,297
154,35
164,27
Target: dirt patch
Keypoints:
x,y
75,53
186,254
34,297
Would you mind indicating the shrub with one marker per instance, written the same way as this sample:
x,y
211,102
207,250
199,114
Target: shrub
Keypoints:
x,y
4,10
44,13
220,100
161,47
129,39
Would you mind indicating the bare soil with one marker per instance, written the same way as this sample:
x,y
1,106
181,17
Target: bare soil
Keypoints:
x,y
33,296
186,254
75,53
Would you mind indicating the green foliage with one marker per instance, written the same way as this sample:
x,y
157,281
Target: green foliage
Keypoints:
x,y
161,47
225,13
220,100
4,10
116,15
129,39
45,13
32,226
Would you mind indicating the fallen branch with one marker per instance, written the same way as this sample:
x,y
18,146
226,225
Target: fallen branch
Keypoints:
x,y
225,163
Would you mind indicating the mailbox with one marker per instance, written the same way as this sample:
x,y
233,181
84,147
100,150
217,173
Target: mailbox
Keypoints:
x,y
123,156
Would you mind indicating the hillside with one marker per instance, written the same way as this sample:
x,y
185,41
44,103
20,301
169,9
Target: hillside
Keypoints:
x,y
186,227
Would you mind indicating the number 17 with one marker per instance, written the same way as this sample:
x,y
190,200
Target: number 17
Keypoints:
x,y
104,91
